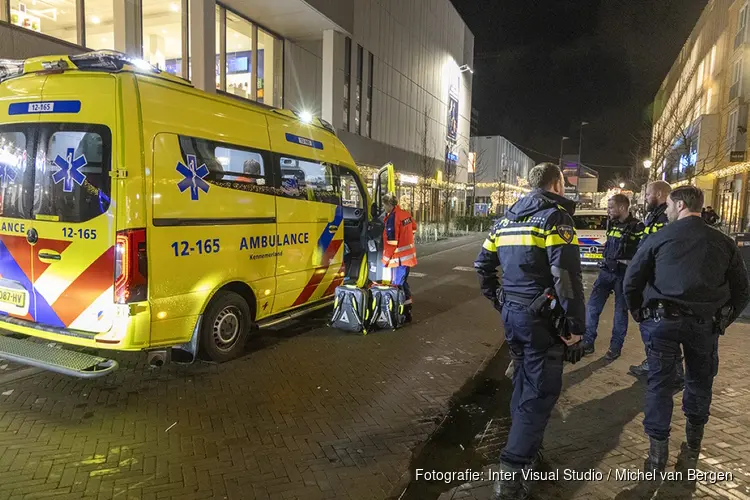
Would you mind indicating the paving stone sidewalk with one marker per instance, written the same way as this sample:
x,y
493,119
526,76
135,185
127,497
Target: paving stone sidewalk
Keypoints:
x,y
598,426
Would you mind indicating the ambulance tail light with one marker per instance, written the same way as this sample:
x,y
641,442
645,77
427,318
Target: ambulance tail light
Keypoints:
x,y
131,267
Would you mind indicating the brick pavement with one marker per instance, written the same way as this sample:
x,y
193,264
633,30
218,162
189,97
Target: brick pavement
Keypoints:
x,y
308,412
598,424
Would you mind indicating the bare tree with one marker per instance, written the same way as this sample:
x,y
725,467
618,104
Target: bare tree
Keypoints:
x,y
673,138
448,186
481,166
426,166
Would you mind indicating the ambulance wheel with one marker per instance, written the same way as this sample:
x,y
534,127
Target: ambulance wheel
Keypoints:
x,y
225,327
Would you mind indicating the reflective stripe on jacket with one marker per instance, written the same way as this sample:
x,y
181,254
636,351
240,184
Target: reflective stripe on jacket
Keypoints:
x,y
398,239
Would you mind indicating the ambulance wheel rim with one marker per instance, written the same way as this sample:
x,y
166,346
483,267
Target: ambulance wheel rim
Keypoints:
x,y
226,328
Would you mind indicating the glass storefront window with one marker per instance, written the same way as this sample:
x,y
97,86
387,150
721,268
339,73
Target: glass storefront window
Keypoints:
x,y
239,56
100,25
270,51
163,34
56,18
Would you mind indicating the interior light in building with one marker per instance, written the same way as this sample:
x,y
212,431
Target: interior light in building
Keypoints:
x,y
306,117
647,163
95,20
174,7
622,185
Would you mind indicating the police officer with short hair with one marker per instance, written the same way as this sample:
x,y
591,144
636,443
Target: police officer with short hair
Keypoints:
x,y
657,193
623,235
536,246
684,286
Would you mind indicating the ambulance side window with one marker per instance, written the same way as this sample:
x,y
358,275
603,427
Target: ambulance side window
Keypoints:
x,y
13,162
72,180
308,180
351,196
227,162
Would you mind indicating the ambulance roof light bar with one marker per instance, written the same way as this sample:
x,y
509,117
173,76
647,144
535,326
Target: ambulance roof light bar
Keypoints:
x,y
111,61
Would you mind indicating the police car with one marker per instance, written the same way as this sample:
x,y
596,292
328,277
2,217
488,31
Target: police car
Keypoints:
x,y
591,226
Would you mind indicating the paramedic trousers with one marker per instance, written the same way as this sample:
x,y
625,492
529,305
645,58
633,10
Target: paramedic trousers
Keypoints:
x,y
605,284
400,278
537,355
700,345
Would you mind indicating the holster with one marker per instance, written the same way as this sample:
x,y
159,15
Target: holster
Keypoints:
x,y
722,319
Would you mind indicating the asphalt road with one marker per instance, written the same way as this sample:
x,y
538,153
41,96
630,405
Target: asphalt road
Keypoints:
x,y
308,412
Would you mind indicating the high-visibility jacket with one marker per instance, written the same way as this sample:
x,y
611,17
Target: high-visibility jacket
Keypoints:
x,y
398,239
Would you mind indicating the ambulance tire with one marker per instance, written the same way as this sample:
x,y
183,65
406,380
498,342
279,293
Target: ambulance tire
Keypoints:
x,y
225,327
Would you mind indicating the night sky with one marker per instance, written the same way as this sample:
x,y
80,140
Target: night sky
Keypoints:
x,y
543,66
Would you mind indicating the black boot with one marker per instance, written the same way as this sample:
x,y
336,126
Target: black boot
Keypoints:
x,y
509,486
694,436
658,454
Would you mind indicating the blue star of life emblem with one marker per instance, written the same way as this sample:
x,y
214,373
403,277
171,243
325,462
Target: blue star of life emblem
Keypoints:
x,y
7,174
193,177
69,170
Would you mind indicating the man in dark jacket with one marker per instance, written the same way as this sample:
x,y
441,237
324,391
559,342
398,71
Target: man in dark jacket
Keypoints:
x,y
657,193
623,235
536,246
684,286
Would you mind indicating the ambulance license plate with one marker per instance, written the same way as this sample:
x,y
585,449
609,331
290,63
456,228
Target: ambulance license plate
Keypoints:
x,y
13,297
592,256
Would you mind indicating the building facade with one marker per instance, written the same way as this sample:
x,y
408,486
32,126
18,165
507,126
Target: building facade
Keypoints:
x,y
700,126
497,174
393,77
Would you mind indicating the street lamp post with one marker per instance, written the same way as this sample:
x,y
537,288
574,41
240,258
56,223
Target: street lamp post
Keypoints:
x,y
580,152
562,143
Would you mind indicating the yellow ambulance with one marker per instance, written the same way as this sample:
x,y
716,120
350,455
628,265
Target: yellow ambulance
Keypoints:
x,y
138,213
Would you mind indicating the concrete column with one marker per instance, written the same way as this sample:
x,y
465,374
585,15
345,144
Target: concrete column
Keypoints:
x,y
333,79
128,27
203,43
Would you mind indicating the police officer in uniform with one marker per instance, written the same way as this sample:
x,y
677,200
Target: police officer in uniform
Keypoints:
x,y
623,235
657,193
536,246
685,286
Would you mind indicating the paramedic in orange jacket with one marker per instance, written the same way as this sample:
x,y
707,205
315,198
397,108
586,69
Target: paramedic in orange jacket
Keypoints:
x,y
399,252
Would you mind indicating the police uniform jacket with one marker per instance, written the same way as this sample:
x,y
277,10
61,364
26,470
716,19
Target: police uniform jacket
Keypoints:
x,y
536,246
622,243
691,265
655,220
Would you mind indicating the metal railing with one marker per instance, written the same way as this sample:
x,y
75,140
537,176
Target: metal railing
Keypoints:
x,y
436,231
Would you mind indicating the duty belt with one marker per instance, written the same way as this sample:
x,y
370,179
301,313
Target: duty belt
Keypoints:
x,y
663,309
521,300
